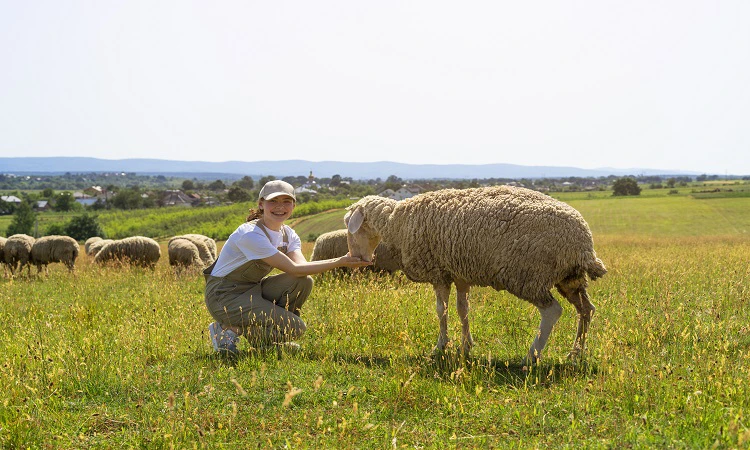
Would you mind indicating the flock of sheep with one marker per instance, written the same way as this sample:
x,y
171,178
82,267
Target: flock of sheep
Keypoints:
x,y
20,251
504,237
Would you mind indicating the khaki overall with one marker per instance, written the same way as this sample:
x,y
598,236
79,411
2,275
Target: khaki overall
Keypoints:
x,y
264,308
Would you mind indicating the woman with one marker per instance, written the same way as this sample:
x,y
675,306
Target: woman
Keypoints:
x,y
242,298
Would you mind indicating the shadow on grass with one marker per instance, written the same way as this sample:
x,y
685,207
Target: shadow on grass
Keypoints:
x,y
448,366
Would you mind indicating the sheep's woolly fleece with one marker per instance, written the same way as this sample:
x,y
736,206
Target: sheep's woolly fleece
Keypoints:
x,y
17,251
210,243
89,241
334,244
136,250
95,246
50,249
183,253
205,246
508,238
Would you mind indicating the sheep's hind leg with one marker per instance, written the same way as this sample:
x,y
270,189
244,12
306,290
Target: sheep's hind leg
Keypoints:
x,y
462,307
442,293
579,298
551,311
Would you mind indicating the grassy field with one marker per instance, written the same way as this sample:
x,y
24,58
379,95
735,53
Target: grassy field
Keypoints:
x,y
120,357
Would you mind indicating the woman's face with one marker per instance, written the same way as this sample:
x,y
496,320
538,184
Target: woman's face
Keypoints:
x,y
277,209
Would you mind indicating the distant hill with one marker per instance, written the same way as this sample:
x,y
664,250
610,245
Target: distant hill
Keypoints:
x,y
355,170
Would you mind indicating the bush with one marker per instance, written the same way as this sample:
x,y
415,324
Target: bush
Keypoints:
x,y
626,186
23,220
83,227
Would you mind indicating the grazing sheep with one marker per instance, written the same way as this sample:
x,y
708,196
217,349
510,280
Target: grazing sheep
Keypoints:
x,y
49,249
512,239
210,243
17,252
135,250
2,254
95,246
183,253
334,244
203,245
90,241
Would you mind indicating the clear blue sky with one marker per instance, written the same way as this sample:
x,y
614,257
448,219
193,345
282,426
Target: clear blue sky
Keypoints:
x,y
590,83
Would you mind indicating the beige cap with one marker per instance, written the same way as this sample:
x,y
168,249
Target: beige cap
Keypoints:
x,y
275,188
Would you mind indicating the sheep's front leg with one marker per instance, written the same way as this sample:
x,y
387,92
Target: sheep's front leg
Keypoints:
x,y
551,312
442,292
462,306
585,309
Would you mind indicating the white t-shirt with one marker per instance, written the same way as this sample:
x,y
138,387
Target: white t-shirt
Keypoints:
x,y
249,242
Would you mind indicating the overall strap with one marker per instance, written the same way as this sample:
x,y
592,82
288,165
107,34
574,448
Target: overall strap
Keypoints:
x,y
284,236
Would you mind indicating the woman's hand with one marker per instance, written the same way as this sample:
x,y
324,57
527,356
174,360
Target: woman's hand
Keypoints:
x,y
353,262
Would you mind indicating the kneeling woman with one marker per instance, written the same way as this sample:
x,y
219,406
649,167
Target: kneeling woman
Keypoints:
x,y
242,298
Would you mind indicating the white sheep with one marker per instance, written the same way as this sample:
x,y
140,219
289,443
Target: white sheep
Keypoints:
x,y
17,252
210,243
183,253
2,255
334,244
203,244
49,249
512,239
90,241
95,246
136,250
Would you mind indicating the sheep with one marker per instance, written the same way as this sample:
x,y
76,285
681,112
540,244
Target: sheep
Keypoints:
x,y
509,238
90,241
95,246
210,243
2,255
17,252
49,249
334,244
135,250
183,253
204,246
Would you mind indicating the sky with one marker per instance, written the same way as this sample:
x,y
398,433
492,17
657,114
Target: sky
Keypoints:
x,y
590,83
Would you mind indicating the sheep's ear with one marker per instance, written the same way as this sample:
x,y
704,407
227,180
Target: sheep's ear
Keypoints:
x,y
355,221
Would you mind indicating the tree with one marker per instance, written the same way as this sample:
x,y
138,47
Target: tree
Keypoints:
x,y
83,227
217,185
237,194
23,220
265,180
188,185
127,199
48,193
64,201
626,186
245,182
335,180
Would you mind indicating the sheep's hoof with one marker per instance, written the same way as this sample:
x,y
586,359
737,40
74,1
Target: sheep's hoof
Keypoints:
x,y
575,355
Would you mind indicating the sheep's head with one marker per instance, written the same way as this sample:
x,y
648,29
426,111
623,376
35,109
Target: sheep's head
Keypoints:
x,y
362,239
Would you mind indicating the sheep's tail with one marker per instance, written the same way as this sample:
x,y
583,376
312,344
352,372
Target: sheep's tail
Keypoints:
x,y
596,268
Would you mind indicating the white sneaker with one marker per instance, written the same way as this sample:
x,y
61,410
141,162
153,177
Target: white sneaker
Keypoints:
x,y
223,340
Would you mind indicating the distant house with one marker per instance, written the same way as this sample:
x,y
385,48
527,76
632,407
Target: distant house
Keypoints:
x,y
304,190
42,205
176,197
95,191
11,199
402,192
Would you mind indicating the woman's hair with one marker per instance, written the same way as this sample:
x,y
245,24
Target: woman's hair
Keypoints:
x,y
254,214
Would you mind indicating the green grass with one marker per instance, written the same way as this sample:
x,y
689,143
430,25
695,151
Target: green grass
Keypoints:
x,y
315,225
120,357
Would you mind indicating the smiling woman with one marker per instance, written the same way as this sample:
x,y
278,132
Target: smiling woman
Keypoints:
x,y
242,298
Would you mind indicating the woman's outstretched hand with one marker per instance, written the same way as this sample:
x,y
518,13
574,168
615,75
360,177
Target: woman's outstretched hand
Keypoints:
x,y
353,262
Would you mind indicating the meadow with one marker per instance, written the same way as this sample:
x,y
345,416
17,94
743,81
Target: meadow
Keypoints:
x,y
116,357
